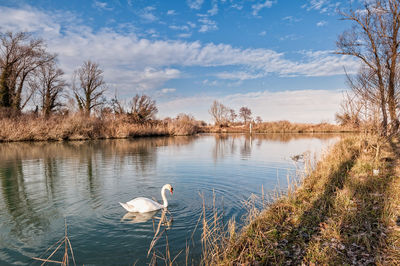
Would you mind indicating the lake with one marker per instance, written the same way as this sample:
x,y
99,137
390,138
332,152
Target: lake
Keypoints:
x,y
44,184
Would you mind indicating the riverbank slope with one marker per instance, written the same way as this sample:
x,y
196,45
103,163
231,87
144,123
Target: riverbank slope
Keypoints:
x,y
342,213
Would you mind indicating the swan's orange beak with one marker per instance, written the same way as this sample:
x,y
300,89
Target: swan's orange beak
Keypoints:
x,y
172,191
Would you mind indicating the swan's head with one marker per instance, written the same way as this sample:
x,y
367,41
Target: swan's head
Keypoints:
x,y
170,188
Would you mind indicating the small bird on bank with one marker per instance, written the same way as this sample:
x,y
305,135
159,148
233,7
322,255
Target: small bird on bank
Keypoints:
x,y
143,205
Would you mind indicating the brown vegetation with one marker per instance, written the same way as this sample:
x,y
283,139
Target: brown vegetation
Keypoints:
x,y
82,127
343,213
280,127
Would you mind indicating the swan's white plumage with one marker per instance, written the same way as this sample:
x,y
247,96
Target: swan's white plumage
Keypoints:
x,y
143,205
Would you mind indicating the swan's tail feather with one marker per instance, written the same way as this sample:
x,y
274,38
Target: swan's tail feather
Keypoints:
x,y
127,207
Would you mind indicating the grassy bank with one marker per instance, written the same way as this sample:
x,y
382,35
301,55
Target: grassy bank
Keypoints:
x,y
79,127
340,214
279,127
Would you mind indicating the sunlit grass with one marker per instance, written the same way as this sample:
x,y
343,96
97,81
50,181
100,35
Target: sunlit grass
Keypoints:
x,y
80,127
340,214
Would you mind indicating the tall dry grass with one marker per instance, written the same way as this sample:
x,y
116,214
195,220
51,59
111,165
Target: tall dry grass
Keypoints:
x,y
80,127
281,127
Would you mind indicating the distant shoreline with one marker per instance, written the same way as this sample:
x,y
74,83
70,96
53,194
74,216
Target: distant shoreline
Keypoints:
x,y
79,127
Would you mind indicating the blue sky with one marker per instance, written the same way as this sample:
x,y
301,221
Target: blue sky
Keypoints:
x,y
276,57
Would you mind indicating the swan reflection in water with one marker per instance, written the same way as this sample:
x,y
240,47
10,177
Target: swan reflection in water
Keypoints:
x,y
137,217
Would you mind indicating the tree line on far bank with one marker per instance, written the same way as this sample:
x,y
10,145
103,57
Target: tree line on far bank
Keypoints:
x,y
224,116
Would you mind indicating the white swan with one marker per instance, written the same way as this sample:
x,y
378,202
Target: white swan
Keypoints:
x,y
147,205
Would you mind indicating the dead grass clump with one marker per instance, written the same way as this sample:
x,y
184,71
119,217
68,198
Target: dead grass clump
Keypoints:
x,y
182,125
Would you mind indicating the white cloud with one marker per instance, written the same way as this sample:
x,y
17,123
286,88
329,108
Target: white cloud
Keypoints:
x,y
323,6
195,4
207,25
257,7
28,20
152,32
290,37
210,82
263,33
147,14
214,10
183,27
141,80
236,6
238,75
184,35
291,19
171,12
297,105
102,5
124,55
321,23
168,90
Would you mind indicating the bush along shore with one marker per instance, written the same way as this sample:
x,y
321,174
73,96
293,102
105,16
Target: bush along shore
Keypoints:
x,y
79,126
346,211
82,127
279,127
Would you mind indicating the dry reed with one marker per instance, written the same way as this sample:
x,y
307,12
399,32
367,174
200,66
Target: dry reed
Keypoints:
x,y
68,251
80,127
280,127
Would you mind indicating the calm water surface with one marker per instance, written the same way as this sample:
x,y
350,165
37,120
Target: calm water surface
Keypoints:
x,y
41,184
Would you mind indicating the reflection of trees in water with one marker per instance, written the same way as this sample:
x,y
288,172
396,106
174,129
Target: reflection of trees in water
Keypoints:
x,y
142,149
23,200
226,144
21,206
286,137
245,149
50,174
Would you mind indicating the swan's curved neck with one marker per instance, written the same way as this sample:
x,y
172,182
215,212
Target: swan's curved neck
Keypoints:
x,y
165,201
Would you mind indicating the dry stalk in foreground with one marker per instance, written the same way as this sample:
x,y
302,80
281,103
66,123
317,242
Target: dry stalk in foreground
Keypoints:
x,y
68,251
158,233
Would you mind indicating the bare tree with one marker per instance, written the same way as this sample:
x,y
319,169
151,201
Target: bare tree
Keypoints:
x,y
259,119
350,111
20,56
232,115
90,88
49,84
374,39
219,112
245,114
117,106
142,108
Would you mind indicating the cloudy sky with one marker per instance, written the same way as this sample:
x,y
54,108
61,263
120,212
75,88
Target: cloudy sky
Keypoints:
x,y
274,56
